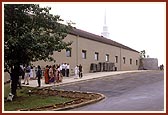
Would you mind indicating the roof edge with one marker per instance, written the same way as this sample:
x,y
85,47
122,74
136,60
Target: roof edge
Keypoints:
x,y
94,37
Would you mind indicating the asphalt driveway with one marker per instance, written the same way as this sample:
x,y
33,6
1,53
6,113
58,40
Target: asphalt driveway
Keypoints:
x,y
143,91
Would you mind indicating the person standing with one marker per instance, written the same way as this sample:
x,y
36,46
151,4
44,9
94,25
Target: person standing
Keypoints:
x,y
27,75
57,73
46,75
63,69
20,76
67,69
80,71
39,75
51,75
54,73
76,72
60,73
60,68
65,64
23,71
31,72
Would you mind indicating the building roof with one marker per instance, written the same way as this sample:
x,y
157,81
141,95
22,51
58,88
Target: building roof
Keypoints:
x,y
97,38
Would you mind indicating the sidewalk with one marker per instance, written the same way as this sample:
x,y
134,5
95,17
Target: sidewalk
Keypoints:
x,y
87,76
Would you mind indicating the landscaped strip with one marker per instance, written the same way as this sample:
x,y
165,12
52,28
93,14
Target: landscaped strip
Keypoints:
x,y
78,99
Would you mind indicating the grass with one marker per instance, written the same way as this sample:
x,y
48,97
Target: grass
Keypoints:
x,y
24,101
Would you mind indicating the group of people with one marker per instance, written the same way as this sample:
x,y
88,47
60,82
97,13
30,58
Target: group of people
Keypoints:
x,y
78,71
18,71
52,74
56,73
28,73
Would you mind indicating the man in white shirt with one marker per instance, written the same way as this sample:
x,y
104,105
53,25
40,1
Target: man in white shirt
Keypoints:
x,y
63,69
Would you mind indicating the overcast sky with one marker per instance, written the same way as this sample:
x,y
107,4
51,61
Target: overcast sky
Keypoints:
x,y
141,26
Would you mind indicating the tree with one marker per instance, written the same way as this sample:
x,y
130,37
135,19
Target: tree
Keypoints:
x,y
31,33
143,54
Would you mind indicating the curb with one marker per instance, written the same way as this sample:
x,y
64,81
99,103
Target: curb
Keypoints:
x,y
82,80
81,104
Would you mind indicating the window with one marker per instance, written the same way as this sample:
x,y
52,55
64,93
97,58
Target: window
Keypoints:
x,y
136,62
107,57
116,59
124,60
83,54
130,61
96,56
68,52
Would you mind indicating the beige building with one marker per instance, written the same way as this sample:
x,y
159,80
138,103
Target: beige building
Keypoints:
x,y
149,63
89,48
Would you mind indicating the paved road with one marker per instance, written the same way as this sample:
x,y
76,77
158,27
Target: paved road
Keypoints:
x,y
126,92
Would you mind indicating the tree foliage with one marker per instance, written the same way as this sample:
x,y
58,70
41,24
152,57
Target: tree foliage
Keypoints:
x,y
31,33
143,54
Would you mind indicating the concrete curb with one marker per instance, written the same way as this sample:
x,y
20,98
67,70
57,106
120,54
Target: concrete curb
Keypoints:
x,y
81,104
82,80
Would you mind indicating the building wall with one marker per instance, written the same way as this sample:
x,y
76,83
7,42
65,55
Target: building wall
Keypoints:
x,y
91,47
60,57
129,55
150,63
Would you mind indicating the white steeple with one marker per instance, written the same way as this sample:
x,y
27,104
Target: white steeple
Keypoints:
x,y
105,32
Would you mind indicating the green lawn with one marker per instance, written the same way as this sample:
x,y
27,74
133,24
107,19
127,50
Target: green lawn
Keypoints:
x,y
24,101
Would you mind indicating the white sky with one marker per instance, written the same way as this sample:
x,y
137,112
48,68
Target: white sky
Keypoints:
x,y
141,26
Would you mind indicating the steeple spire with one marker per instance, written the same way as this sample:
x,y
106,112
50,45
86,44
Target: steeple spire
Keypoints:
x,y
105,17
105,28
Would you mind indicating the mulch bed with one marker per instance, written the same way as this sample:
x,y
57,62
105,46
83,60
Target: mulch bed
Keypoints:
x,y
78,99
